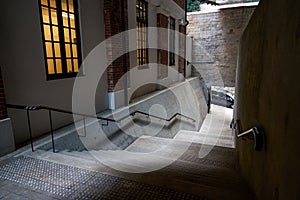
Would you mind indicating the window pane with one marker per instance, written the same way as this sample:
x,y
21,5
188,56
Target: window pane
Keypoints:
x,y
54,17
72,20
74,47
75,63
73,35
45,13
142,23
53,3
44,2
50,63
67,35
58,66
49,50
55,33
65,19
68,51
47,32
71,6
64,5
69,66
57,50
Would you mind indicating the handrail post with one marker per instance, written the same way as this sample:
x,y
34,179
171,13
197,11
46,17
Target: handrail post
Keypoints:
x,y
29,128
51,127
84,126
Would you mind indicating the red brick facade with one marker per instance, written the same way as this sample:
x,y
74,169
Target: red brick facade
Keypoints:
x,y
181,3
162,22
113,26
3,109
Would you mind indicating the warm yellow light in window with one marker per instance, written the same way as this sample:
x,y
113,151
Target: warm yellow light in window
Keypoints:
x,y
74,48
67,35
71,6
50,66
54,17
76,67
57,50
44,2
55,33
69,66
45,14
72,21
53,3
58,66
49,50
73,36
64,5
65,19
47,32
68,51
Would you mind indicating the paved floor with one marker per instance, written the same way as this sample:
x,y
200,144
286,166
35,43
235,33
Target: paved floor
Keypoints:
x,y
76,175
28,178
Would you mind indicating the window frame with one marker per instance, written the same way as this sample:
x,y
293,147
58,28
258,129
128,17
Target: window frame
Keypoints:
x,y
61,42
142,38
172,39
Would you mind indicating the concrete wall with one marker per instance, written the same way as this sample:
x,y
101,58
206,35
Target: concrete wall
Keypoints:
x,y
7,139
3,109
23,63
216,37
268,96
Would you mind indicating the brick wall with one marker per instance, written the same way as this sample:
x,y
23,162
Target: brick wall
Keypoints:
x,y
181,3
162,22
113,26
216,40
3,110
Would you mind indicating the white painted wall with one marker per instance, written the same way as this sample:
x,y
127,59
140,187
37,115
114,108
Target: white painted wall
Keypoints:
x,y
23,65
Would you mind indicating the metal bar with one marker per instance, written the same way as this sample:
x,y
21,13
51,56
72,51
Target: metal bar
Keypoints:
x,y
246,132
51,127
95,117
84,127
29,128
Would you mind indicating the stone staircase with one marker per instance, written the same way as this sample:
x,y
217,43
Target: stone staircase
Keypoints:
x,y
201,162
215,176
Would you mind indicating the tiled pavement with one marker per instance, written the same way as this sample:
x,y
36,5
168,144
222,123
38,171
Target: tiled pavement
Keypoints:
x,y
29,178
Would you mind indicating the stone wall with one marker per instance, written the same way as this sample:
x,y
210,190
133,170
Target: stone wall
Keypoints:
x,y
216,37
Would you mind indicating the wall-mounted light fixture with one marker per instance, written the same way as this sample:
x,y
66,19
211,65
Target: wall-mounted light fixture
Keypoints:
x,y
183,22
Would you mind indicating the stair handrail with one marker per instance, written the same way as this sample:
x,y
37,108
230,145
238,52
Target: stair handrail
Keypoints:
x,y
160,118
50,109
257,133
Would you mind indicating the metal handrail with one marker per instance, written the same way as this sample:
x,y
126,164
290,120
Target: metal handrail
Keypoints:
x,y
257,133
160,118
50,109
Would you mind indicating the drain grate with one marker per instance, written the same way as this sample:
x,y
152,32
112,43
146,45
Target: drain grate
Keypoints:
x,y
73,183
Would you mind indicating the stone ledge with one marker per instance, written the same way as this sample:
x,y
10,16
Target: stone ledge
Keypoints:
x,y
7,144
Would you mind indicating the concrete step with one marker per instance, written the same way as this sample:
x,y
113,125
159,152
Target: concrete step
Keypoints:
x,y
72,159
84,155
209,139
